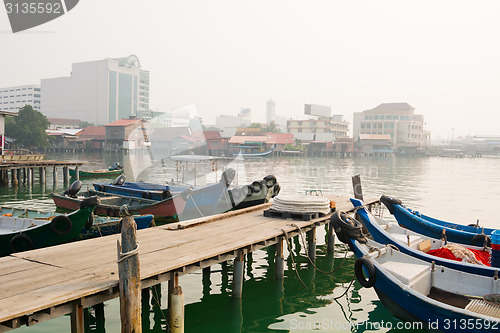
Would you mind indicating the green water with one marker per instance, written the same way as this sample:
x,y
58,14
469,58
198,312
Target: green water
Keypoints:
x,y
463,190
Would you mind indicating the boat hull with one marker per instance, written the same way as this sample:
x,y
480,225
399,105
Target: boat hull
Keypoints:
x,y
44,234
166,210
431,227
384,237
95,173
408,304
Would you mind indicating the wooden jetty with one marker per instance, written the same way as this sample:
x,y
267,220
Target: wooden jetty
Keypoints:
x,y
24,170
42,284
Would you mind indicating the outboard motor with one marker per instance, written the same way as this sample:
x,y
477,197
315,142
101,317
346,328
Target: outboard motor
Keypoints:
x,y
228,176
120,180
74,188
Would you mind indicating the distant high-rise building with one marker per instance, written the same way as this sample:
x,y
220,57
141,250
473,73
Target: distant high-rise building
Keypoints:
x,y
270,111
99,91
398,120
14,98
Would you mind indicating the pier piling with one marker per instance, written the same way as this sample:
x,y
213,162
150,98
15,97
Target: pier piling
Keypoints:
x,y
331,239
54,176
177,310
130,280
311,244
65,175
279,273
239,264
77,319
14,177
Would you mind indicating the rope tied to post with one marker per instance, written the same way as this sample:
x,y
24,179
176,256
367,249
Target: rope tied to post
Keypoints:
x,y
129,254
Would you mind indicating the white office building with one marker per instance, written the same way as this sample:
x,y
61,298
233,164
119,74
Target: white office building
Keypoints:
x,y
270,111
98,92
398,120
14,98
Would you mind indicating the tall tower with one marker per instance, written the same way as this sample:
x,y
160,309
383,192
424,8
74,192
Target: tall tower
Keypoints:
x,y
270,111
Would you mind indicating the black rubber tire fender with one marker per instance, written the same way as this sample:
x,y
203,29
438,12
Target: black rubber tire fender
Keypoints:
x,y
480,239
256,187
146,195
55,225
270,180
368,281
166,194
90,221
16,243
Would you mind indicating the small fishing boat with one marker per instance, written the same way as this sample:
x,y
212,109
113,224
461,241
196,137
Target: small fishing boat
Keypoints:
x,y
438,297
106,225
472,234
254,154
100,173
22,233
98,227
165,210
469,259
202,201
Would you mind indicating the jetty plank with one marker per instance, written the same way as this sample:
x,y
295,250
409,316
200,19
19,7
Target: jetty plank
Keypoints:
x,y
86,271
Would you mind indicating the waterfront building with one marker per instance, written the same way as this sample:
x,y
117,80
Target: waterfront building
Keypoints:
x,y
334,125
398,120
98,92
14,98
270,111
62,123
125,134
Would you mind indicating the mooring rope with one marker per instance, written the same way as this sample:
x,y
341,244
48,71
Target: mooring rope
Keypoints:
x,y
129,254
309,258
347,289
291,256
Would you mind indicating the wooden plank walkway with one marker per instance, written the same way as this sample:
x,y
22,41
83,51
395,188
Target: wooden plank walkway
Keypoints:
x,y
45,283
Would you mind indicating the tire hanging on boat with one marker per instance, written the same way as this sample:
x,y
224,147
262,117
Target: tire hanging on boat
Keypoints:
x,y
166,194
481,240
270,180
61,225
90,221
256,187
146,195
368,281
21,242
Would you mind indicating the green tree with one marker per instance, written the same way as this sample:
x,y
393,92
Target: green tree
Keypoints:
x,y
255,125
272,127
84,124
28,128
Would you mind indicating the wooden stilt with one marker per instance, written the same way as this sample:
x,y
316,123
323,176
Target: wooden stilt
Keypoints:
x,y
54,176
177,310
311,247
130,278
331,239
279,272
239,263
13,177
65,175
77,173
77,320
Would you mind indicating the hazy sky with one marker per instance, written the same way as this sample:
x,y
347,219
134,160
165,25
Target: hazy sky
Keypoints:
x,y
441,57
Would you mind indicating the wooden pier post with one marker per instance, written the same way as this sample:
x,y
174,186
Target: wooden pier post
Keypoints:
x,y
311,244
42,175
29,176
54,176
356,185
130,277
177,310
331,239
19,175
77,173
239,265
99,317
77,319
279,273
14,177
5,177
65,175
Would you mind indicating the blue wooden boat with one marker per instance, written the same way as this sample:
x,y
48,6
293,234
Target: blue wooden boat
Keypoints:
x,y
414,244
202,201
438,297
106,225
464,234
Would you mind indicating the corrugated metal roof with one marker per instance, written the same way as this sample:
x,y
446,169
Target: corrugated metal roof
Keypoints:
x,y
124,122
